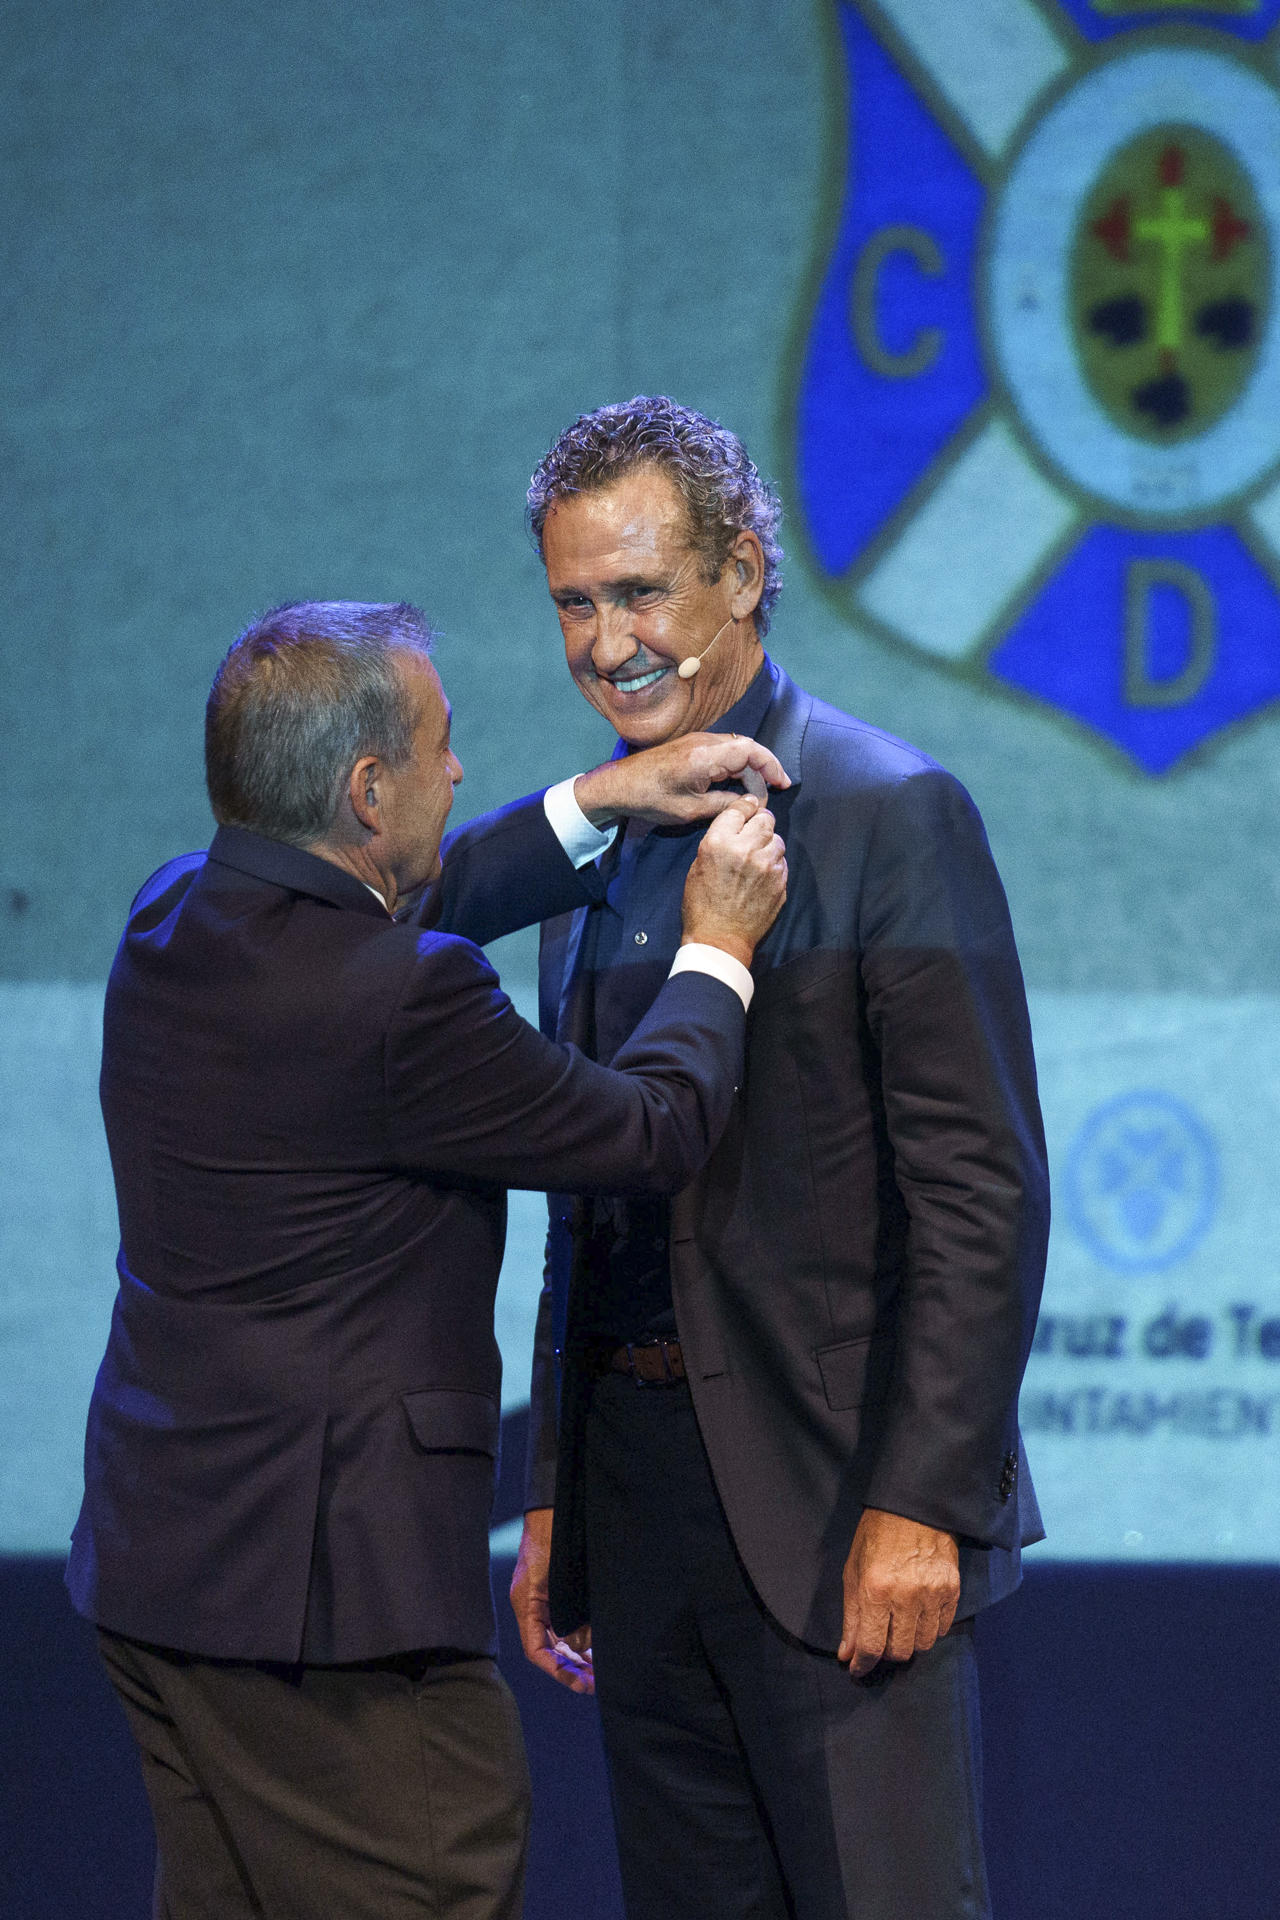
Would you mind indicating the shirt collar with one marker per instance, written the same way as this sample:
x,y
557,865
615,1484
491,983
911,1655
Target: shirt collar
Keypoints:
x,y
747,714
292,867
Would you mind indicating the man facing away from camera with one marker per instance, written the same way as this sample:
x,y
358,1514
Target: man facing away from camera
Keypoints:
x,y
786,1471
313,1114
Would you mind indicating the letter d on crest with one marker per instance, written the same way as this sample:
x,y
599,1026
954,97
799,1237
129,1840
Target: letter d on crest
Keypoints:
x,y
1143,686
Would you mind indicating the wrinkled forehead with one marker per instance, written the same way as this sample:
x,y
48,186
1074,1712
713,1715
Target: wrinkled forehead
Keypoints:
x,y
639,517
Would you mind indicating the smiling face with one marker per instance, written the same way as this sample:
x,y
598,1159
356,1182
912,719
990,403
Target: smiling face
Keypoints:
x,y
633,603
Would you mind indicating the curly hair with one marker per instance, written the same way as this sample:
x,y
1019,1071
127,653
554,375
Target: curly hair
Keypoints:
x,y
722,489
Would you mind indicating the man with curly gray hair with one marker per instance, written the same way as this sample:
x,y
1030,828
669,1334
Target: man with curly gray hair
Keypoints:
x,y
768,1561
720,485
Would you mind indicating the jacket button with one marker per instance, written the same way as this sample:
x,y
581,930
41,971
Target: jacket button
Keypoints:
x,y
642,939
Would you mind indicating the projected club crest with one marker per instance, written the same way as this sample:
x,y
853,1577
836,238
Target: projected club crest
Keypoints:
x,y
1141,1181
1039,420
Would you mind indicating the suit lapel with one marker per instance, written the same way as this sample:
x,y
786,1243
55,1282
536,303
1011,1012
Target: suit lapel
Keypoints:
x,y
559,948
783,731
573,1014
783,727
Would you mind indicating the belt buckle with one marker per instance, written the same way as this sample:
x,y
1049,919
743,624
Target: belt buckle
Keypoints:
x,y
670,1377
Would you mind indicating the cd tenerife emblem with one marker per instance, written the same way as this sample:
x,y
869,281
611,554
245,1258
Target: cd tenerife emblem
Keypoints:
x,y
1169,280
1039,418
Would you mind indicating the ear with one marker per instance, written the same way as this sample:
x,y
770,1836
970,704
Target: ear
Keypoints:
x,y
746,574
362,792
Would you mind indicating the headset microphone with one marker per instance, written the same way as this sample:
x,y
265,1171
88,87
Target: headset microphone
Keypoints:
x,y
689,667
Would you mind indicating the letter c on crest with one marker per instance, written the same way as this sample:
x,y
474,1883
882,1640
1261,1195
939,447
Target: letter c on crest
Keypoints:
x,y
921,248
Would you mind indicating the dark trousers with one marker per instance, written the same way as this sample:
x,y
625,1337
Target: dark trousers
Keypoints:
x,y
752,1778
378,1792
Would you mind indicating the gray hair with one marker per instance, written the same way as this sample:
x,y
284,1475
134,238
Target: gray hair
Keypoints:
x,y
301,695
722,489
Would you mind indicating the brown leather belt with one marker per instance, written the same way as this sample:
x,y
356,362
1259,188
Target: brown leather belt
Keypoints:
x,y
658,1363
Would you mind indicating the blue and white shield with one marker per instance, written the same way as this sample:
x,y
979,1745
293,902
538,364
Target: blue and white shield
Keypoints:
x,y
1039,420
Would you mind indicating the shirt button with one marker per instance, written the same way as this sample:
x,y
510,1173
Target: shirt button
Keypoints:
x,y
642,939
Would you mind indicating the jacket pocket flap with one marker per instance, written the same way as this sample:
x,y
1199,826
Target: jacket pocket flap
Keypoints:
x,y
446,1421
844,1371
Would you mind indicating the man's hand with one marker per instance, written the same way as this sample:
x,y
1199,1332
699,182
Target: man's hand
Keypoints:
x,y
670,785
901,1589
738,882
568,1661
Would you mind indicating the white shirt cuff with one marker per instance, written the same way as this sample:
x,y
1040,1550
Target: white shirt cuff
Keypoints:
x,y
696,957
581,841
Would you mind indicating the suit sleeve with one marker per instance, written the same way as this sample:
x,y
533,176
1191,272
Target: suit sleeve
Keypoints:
x,y
474,1093
947,1011
503,871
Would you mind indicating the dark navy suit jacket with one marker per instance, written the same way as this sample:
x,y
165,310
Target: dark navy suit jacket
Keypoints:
x,y
856,1270
313,1113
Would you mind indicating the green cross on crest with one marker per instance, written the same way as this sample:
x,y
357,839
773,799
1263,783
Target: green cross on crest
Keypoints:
x,y
1169,283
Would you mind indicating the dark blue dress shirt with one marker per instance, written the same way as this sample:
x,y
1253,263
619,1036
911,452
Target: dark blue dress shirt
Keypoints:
x,y
627,948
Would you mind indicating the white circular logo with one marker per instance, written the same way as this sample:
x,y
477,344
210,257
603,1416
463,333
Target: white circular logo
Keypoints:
x,y
1134,282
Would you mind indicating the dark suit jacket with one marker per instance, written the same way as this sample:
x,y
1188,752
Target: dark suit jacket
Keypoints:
x,y
313,1114
856,1270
